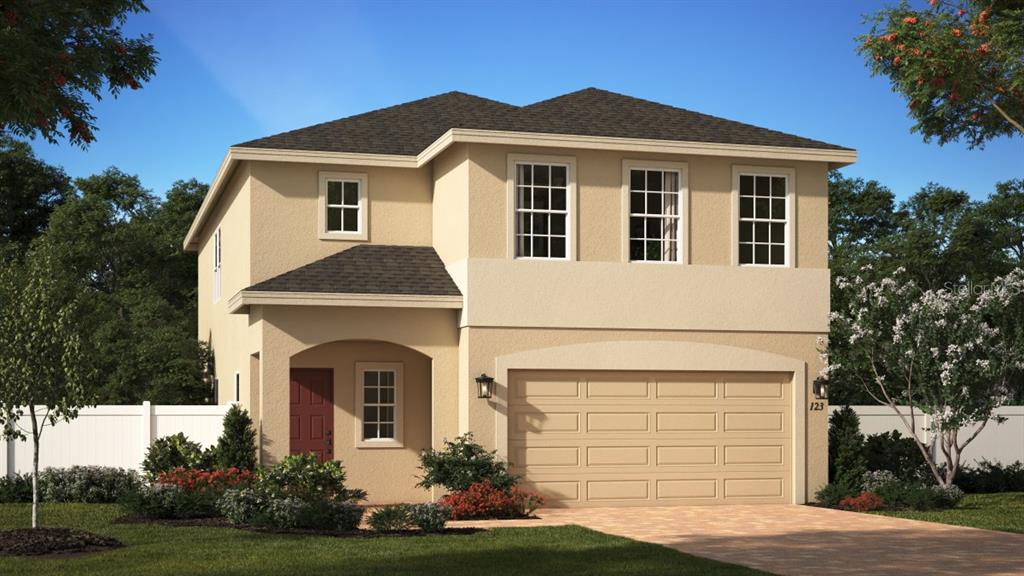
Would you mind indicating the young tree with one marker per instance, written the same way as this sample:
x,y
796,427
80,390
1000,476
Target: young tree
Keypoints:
x,y
57,56
958,64
939,352
44,364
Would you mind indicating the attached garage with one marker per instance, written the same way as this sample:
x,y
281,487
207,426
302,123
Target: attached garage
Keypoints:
x,y
607,438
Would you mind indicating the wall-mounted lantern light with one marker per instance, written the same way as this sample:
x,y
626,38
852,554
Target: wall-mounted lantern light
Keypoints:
x,y
484,386
820,388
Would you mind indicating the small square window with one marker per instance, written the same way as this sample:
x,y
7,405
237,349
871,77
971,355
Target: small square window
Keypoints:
x,y
342,204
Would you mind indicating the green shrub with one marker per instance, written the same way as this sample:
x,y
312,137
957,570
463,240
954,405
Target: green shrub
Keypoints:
x,y
846,448
831,494
899,494
297,493
989,477
15,488
430,517
897,454
249,507
461,464
300,475
88,484
170,501
391,518
175,451
236,447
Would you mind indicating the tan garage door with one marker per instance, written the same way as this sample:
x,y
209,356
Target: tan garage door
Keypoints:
x,y
660,438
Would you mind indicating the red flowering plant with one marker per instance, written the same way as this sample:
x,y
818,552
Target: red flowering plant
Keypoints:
x,y
483,500
957,62
195,480
864,502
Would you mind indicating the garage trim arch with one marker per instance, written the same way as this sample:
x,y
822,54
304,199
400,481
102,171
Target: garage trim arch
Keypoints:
x,y
650,356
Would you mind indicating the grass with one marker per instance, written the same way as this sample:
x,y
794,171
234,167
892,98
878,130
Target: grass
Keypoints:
x,y
1003,512
153,549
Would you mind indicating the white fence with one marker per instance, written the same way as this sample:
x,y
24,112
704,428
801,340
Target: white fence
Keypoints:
x,y
1003,443
112,436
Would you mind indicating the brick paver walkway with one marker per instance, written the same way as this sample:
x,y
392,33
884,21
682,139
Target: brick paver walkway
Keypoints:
x,y
802,540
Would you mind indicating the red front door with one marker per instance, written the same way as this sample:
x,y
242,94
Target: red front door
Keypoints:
x,y
312,412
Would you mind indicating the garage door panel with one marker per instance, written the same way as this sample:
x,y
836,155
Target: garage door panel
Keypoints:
x,y
618,422
617,438
618,456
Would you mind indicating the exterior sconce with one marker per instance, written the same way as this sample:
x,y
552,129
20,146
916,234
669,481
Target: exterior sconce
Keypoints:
x,y
820,388
484,386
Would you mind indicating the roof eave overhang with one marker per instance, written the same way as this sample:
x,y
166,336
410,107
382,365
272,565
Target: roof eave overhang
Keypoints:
x,y
240,302
836,158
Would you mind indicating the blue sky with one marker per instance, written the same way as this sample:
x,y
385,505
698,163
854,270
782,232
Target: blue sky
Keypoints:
x,y
231,71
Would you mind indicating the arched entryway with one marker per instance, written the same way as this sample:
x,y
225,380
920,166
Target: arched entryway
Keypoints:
x,y
368,403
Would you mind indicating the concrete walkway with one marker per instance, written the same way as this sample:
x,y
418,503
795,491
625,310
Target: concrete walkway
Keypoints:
x,y
802,540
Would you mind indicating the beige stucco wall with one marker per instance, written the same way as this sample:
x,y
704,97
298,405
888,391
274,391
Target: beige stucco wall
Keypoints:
x,y
289,331
284,212
599,219
228,334
388,474
451,197
490,344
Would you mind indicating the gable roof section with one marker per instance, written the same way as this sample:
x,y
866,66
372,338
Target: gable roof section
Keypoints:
x,y
407,129
368,269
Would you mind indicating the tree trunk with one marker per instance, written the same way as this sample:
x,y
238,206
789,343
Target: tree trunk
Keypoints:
x,y
35,466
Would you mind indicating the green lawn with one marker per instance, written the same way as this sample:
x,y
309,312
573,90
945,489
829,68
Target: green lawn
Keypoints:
x,y
1003,512
154,549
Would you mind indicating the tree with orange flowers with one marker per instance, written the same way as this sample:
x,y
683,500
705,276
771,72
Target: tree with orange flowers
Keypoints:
x,y
57,58
960,65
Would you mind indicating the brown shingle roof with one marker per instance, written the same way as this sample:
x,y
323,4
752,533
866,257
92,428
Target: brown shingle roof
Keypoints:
x,y
406,129
369,269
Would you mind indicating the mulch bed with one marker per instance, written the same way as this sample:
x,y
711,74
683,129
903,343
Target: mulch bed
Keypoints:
x,y
52,541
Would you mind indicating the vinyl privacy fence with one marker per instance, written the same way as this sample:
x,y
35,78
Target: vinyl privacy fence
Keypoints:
x,y
1003,443
112,436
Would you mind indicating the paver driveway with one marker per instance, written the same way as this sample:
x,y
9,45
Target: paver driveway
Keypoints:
x,y
789,539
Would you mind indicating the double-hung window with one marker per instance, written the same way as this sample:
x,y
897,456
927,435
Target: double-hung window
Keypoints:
x,y
342,206
764,219
379,404
216,265
655,215
542,210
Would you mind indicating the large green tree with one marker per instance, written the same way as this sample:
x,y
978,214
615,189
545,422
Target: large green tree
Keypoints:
x,y
56,58
957,62
939,237
124,243
29,191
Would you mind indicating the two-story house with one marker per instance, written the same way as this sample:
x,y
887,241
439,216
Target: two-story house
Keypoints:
x,y
621,297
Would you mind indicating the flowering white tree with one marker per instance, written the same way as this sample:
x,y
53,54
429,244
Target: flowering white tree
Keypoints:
x,y
937,352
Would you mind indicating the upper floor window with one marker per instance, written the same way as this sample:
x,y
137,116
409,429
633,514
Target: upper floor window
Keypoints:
x,y
342,206
764,235
216,265
655,215
542,210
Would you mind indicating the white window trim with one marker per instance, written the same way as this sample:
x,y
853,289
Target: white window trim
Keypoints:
x,y
364,206
790,175
398,369
217,263
510,208
684,207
